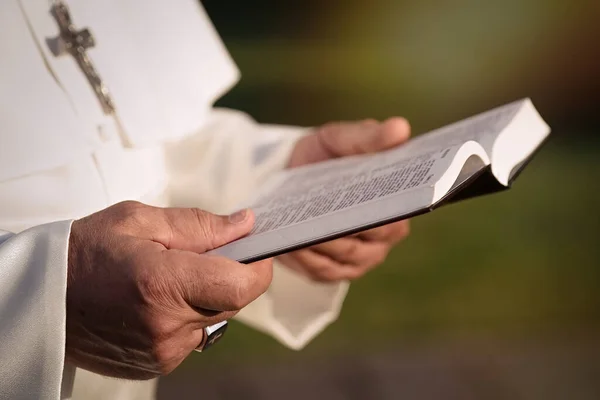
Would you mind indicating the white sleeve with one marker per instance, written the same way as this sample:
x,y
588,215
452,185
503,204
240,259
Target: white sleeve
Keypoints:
x,y
33,286
219,168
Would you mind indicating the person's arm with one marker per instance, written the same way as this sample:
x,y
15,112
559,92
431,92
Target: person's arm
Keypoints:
x,y
126,292
222,166
33,285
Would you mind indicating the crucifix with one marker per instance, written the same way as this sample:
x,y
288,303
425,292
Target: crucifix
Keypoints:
x,y
76,43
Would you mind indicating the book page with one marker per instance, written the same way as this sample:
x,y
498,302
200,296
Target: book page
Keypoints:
x,y
482,128
311,192
310,204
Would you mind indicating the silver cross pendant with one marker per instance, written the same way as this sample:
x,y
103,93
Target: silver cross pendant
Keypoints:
x,y
76,43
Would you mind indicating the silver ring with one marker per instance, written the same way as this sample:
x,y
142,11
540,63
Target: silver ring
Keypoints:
x,y
212,335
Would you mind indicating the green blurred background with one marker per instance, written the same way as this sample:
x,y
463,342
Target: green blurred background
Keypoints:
x,y
496,297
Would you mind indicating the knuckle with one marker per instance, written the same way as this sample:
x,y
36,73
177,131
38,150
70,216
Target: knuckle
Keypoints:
x,y
153,289
130,213
328,127
327,132
206,224
326,274
369,122
200,216
239,296
265,274
241,285
147,285
128,207
241,291
250,286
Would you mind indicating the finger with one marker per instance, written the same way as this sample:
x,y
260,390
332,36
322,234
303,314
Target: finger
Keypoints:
x,y
170,353
192,341
192,334
353,251
216,283
320,267
175,350
345,139
190,338
199,231
391,233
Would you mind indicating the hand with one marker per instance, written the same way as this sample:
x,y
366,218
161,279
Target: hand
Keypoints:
x,y
349,257
140,291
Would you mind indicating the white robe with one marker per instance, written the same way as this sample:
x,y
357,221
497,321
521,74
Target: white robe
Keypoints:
x,y
61,158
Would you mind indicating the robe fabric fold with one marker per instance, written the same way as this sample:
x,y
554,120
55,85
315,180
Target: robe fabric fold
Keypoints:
x,y
33,286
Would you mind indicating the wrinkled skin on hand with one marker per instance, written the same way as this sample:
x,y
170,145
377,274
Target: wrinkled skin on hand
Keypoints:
x,y
140,290
349,257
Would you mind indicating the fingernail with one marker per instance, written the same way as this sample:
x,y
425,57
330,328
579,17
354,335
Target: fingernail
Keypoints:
x,y
238,217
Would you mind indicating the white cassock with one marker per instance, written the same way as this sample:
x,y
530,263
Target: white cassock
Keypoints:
x,y
62,157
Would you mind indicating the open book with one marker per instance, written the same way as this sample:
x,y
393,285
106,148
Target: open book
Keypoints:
x,y
319,202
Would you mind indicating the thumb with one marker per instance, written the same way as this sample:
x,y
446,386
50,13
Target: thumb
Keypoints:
x,y
192,229
216,283
346,139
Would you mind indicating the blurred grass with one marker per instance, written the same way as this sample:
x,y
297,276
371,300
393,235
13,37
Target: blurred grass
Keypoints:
x,y
430,61
522,263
